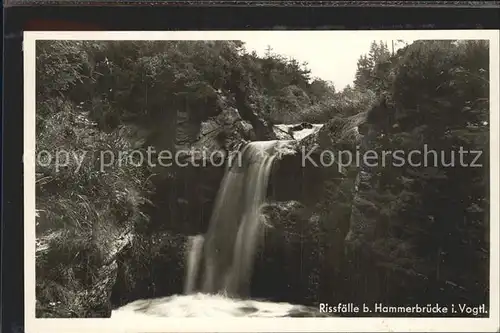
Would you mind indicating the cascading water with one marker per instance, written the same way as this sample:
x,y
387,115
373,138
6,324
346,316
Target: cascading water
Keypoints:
x,y
195,248
232,237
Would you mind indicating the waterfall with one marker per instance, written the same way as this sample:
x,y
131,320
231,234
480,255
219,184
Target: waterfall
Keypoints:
x,y
195,247
219,263
233,234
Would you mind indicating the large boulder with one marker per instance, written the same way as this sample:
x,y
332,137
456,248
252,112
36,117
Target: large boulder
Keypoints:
x,y
152,266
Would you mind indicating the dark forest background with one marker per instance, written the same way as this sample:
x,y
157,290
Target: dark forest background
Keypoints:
x,y
395,235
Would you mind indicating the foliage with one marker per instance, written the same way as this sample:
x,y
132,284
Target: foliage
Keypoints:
x,y
433,217
119,96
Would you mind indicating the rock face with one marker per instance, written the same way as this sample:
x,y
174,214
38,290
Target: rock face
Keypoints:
x,y
316,208
362,222
287,266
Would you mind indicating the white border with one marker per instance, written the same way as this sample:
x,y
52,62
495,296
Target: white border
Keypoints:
x,y
34,325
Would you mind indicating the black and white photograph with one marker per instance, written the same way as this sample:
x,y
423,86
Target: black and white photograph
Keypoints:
x,y
261,181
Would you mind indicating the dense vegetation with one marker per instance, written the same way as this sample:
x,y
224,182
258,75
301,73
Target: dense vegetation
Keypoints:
x,y
420,225
432,216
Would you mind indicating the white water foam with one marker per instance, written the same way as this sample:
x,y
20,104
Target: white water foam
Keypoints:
x,y
204,305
